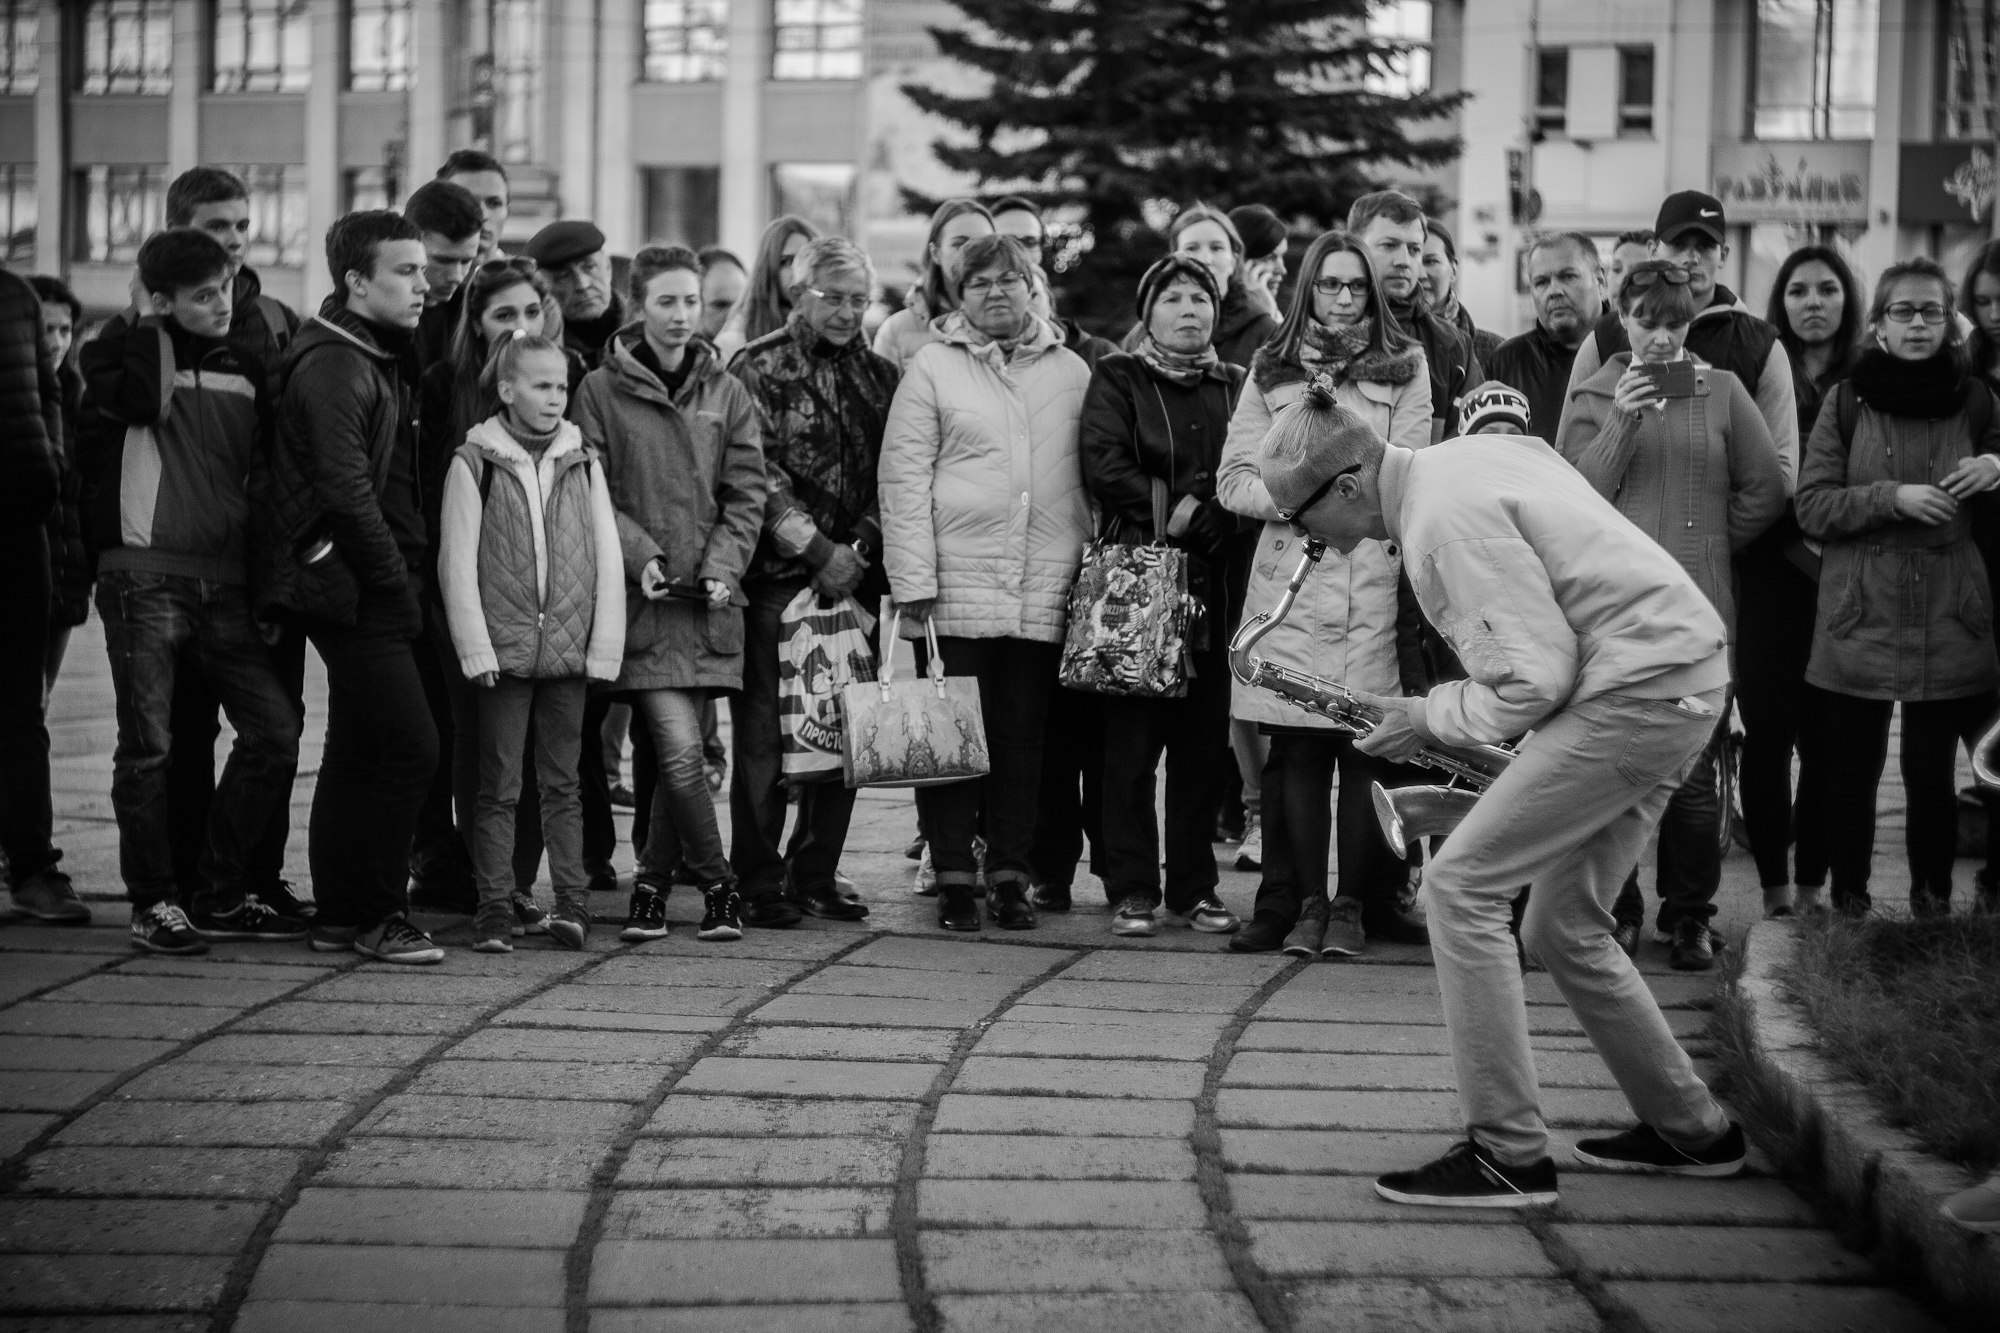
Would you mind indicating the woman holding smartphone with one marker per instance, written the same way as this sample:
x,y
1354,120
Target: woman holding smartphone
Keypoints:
x,y
1681,449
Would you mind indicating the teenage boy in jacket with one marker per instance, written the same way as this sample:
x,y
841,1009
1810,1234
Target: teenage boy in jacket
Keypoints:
x,y
174,416
340,551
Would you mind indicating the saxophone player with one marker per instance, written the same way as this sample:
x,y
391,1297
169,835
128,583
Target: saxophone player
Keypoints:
x,y
1577,627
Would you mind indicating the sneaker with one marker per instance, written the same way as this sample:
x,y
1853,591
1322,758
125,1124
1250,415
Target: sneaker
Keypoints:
x,y
1208,916
529,918
333,939
1305,938
493,928
250,919
1135,916
926,886
1250,851
569,924
1976,1209
397,941
721,913
622,795
49,896
1345,937
767,911
1468,1177
646,918
164,928
1050,897
1642,1149
282,898
1693,949
1626,936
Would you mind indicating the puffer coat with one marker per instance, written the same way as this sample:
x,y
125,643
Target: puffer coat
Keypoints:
x,y
1345,624
532,579
686,474
983,505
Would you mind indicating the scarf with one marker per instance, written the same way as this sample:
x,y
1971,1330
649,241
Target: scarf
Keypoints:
x,y
1342,354
1927,390
1176,367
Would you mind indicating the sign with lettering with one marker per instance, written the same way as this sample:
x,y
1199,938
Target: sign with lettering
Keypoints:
x,y
1944,182
1792,182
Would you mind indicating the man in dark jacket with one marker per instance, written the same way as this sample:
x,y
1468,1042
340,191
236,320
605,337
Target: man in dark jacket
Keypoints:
x,y
579,269
341,552
1392,226
823,400
1566,280
30,433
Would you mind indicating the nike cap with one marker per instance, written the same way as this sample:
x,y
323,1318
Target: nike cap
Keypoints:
x,y
1690,210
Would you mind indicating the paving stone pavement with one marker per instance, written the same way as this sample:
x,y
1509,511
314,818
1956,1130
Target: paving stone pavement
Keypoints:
x,y
838,1128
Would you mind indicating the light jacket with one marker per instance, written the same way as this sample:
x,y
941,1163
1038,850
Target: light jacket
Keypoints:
x,y
1700,477
1548,595
903,334
529,565
983,505
686,475
1344,624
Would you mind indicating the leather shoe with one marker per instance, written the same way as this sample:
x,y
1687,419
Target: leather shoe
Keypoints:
x,y
1260,934
1050,897
772,911
827,903
957,908
1393,927
1008,901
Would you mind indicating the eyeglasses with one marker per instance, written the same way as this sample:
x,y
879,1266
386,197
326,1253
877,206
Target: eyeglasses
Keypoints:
x,y
1291,516
856,304
1640,279
509,264
1903,312
1334,287
1006,282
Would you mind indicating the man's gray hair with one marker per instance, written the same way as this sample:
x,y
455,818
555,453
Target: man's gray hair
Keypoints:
x,y
827,255
1586,248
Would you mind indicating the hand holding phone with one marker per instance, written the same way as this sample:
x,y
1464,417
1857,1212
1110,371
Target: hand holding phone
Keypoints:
x,y
1673,379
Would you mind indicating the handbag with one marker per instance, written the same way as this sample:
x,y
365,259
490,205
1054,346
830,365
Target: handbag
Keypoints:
x,y
913,733
1131,617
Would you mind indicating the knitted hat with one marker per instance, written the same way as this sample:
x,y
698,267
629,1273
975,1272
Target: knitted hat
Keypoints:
x,y
1490,404
1166,271
1263,235
1298,465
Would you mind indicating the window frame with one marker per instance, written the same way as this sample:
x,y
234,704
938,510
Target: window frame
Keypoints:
x,y
17,180
709,66
122,247
391,76
275,189
253,80
1551,119
1412,73
1822,111
1630,125
819,52
1955,116
151,81
20,31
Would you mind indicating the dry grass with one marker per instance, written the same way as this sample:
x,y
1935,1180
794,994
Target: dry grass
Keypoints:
x,y
1912,1010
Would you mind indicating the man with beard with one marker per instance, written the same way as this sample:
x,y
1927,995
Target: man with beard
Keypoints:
x,y
1566,281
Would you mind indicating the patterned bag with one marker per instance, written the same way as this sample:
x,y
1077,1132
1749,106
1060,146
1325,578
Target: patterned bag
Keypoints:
x,y
914,733
1132,619
822,649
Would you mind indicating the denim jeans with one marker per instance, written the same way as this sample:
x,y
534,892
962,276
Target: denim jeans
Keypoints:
x,y
381,750
1569,816
27,815
683,826
757,795
1070,812
150,622
1192,732
1300,814
1775,608
555,708
1016,677
1690,859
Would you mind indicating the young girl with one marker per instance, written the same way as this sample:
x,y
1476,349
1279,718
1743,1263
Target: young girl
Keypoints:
x,y
534,594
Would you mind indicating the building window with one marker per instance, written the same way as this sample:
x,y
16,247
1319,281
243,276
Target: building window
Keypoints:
x,y
17,213
687,41
1551,91
820,192
1971,75
20,47
1407,73
118,207
372,187
506,77
380,58
683,205
1635,92
1815,69
277,215
262,46
816,39
128,46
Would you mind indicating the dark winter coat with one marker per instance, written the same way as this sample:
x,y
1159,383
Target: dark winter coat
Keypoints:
x,y
1536,363
1450,360
72,569
31,427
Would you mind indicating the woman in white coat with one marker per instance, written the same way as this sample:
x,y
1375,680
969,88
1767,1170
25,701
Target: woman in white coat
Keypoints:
x,y
984,519
1350,624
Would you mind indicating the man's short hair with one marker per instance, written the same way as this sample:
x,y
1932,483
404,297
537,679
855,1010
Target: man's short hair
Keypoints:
x,y
1640,236
172,261
441,208
197,186
1586,248
654,260
1394,205
828,254
351,242
711,255
465,161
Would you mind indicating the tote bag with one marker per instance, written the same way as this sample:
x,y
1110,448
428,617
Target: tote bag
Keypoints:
x,y
822,649
1131,617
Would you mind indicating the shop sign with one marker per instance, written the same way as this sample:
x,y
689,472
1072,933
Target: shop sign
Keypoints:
x,y
1792,182
1944,182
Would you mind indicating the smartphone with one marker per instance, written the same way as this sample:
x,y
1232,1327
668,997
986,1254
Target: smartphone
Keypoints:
x,y
1673,379
687,592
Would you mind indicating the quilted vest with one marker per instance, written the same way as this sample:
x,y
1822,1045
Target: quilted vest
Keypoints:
x,y
537,632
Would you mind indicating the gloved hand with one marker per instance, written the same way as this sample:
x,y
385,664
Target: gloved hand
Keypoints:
x,y
1209,526
840,575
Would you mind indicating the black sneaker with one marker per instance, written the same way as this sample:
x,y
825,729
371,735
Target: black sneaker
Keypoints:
x,y
250,919
1642,1149
164,928
283,899
769,911
569,925
1468,1177
721,913
647,917
1693,949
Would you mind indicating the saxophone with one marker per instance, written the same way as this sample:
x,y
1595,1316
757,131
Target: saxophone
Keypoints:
x,y
1405,813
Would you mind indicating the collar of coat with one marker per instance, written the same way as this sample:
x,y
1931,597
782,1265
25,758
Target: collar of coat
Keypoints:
x,y
635,379
491,438
364,334
1269,371
1041,338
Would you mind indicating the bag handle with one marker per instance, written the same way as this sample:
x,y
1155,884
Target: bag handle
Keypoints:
x,y
888,673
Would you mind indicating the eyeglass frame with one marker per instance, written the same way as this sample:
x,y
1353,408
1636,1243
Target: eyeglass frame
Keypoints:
x,y
841,302
1359,287
1918,312
1006,282
1291,516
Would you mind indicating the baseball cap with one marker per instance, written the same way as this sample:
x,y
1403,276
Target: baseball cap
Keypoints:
x,y
1690,210
562,243
1491,403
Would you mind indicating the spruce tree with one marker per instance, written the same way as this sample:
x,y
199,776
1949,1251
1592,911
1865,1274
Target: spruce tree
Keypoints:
x,y
1105,110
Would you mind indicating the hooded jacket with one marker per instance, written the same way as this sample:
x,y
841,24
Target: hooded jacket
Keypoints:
x,y
533,582
686,478
983,505
31,424
1700,477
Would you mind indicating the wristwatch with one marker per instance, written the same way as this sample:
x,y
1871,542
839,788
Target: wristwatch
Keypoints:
x,y
860,548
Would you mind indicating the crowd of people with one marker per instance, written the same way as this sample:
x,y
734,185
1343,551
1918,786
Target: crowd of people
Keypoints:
x,y
522,507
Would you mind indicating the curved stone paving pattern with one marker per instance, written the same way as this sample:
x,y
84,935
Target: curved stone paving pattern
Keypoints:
x,y
820,1130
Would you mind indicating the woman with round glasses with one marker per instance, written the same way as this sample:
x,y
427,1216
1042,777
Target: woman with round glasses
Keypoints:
x,y
1679,447
1349,623
984,517
1889,484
